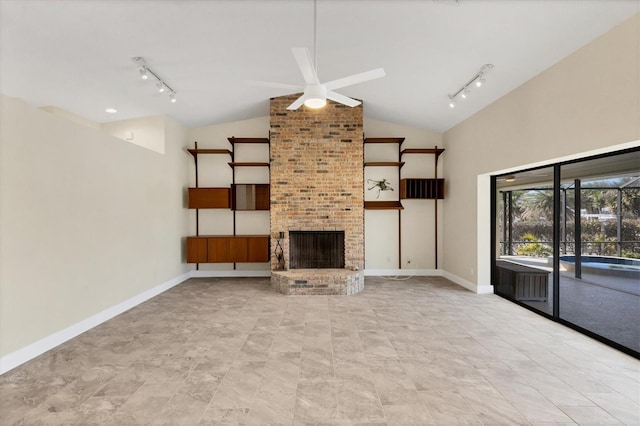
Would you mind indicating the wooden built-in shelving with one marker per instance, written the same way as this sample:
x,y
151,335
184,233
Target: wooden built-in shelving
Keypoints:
x,y
228,248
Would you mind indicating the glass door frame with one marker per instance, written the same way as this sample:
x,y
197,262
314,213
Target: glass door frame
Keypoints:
x,y
557,229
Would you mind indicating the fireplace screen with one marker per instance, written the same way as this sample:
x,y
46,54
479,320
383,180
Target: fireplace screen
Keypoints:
x,y
316,249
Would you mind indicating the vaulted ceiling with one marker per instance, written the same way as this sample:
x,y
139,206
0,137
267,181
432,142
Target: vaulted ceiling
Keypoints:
x,y
76,54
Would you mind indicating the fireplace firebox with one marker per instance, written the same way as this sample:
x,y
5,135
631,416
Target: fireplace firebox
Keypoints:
x,y
316,249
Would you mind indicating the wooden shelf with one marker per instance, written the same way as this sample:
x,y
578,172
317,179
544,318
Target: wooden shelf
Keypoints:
x,y
384,140
383,205
247,140
195,152
436,151
384,164
237,164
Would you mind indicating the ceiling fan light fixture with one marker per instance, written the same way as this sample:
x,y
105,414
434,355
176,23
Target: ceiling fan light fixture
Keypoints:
x,y
315,103
315,96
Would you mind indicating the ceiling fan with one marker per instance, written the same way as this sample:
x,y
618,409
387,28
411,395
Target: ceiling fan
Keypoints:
x,y
315,94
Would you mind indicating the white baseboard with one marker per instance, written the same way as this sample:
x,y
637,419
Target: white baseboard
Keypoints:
x,y
230,273
402,272
478,289
14,359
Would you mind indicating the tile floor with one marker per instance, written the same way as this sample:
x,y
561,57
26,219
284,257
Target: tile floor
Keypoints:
x,y
232,351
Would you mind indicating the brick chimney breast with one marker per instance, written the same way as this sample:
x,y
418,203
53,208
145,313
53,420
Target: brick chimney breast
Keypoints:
x,y
317,176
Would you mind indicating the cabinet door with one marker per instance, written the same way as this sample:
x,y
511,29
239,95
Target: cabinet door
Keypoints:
x,y
258,248
218,248
197,250
238,249
209,198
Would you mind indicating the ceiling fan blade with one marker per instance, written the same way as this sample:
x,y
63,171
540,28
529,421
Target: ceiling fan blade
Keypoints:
x,y
296,104
345,100
303,58
292,87
355,79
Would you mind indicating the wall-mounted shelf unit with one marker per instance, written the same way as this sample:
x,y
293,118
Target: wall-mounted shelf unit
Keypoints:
x,y
387,205
425,188
238,197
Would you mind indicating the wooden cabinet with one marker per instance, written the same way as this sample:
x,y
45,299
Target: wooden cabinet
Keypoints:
x,y
228,249
209,198
250,196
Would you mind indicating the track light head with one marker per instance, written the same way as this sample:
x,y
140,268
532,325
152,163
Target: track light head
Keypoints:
x,y
160,86
452,102
143,72
172,96
480,81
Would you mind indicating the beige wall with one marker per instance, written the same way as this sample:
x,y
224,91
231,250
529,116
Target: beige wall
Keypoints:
x,y
87,221
147,132
588,101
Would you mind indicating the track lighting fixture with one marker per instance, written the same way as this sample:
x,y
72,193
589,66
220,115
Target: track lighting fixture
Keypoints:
x,y
478,80
161,84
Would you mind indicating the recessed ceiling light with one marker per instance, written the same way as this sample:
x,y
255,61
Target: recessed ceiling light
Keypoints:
x,y
111,110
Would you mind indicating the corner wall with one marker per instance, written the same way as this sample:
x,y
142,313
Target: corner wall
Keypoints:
x,y
88,222
588,101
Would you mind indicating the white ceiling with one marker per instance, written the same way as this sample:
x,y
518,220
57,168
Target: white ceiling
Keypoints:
x,y
76,54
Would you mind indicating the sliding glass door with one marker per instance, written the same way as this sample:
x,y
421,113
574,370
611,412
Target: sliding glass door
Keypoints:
x,y
567,244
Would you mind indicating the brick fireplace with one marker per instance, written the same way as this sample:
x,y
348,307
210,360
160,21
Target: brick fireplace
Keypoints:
x,y
317,182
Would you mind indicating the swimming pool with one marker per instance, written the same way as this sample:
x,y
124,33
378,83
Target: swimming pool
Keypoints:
x,y
604,265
